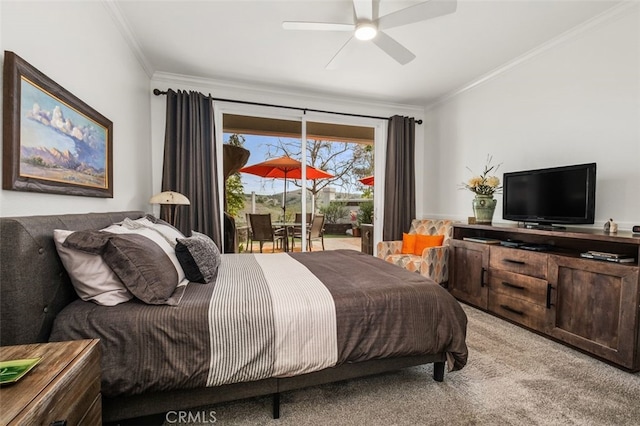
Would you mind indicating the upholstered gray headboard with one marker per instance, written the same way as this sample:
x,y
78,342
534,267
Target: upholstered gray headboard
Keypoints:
x,y
34,286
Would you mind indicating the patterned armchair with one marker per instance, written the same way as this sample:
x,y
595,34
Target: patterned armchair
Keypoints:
x,y
433,262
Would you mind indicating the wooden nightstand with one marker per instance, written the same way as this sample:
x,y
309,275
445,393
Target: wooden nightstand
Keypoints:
x,y
65,385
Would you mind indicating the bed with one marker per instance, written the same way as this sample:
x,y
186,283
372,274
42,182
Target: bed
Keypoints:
x,y
323,317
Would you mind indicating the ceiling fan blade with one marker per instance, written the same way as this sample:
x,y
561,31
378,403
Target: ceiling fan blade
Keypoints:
x,y
363,9
419,12
317,26
334,63
394,49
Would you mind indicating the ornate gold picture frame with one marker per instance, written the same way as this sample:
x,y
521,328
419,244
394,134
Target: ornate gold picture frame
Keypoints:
x,y
53,141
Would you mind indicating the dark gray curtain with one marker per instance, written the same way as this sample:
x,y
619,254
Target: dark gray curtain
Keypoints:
x,y
190,162
400,176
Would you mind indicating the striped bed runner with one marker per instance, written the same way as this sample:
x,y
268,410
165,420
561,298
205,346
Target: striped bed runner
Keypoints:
x,y
262,325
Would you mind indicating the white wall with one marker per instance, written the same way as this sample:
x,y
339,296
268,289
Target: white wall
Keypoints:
x,y
574,100
78,45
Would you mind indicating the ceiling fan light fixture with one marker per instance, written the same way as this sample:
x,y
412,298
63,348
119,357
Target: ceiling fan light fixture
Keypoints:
x,y
366,31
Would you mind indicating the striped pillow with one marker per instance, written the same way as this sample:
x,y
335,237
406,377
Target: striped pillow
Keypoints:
x,y
163,228
140,259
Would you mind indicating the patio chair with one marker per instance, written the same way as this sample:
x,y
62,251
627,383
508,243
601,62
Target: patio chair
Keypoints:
x,y
249,232
431,262
296,229
262,231
314,232
299,218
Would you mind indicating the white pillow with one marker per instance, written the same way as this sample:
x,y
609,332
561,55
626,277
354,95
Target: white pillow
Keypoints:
x,y
92,279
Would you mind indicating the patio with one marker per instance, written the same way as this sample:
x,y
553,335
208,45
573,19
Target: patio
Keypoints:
x,y
334,243
331,242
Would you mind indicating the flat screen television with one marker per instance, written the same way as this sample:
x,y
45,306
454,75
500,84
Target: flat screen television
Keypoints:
x,y
544,197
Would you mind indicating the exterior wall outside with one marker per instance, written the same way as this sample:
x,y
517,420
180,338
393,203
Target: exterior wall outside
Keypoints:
x,y
326,196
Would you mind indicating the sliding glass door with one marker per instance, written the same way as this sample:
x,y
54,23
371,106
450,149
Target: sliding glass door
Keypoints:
x,y
335,153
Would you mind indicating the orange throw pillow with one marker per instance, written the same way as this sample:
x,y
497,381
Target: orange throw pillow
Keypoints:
x,y
424,241
408,243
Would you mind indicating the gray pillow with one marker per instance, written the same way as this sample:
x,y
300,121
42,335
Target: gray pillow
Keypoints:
x,y
199,257
140,263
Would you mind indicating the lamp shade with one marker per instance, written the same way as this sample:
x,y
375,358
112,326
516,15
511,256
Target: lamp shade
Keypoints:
x,y
169,197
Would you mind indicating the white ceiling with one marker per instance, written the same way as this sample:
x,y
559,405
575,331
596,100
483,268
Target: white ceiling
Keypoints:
x,y
243,41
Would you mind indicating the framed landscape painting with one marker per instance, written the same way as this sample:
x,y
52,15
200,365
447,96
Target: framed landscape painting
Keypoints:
x,y
53,141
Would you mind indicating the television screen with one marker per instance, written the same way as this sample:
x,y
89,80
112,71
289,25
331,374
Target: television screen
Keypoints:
x,y
562,195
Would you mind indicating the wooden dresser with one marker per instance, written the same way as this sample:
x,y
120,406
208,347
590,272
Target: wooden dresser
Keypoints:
x,y
64,386
592,305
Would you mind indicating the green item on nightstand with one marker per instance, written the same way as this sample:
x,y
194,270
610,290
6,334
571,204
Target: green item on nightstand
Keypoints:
x,y
13,370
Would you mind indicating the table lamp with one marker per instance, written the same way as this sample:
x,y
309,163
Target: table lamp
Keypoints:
x,y
172,200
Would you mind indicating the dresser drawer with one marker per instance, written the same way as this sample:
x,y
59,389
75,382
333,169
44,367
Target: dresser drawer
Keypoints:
x,y
530,289
518,310
519,261
94,415
73,393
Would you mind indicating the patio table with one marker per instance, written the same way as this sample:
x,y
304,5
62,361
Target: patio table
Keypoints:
x,y
287,226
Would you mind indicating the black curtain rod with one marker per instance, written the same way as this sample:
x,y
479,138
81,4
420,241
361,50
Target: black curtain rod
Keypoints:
x,y
158,92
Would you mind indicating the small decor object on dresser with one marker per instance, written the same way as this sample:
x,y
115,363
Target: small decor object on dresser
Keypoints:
x,y
483,208
484,186
610,227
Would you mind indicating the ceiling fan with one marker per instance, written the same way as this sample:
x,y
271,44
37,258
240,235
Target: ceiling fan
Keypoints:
x,y
369,26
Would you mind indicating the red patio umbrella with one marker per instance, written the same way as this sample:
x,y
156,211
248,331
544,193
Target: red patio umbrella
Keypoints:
x,y
284,167
367,180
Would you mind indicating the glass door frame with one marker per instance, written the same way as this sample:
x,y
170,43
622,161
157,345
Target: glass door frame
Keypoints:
x,y
380,141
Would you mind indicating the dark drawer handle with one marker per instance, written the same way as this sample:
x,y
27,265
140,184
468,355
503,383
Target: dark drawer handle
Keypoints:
x,y
58,423
506,284
549,288
517,262
482,277
510,309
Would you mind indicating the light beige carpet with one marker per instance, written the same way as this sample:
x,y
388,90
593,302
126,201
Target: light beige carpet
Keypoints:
x,y
513,377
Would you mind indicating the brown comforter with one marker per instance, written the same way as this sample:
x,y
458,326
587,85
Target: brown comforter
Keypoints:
x,y
381,311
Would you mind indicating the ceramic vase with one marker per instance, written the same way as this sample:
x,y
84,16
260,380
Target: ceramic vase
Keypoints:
x,y
483,208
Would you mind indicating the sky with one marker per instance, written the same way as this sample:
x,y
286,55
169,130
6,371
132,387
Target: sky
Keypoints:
x,y
258,147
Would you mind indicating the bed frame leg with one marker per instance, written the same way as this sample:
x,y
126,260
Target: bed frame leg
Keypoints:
x,y
438,371
276,405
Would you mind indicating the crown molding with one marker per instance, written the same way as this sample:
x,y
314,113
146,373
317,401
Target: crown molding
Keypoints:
x,y
128,34
609,14
259,92
251,88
